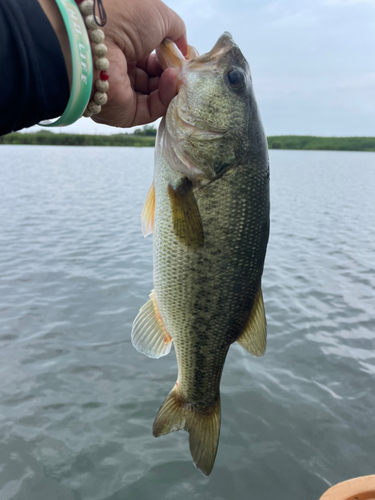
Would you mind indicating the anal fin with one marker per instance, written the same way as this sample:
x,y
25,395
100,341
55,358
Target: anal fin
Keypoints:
x,y
149,335
254,336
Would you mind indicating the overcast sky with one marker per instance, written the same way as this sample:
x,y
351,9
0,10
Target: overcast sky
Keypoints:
x,y
312,61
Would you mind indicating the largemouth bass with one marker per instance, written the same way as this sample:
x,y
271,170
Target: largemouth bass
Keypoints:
x,y
208,209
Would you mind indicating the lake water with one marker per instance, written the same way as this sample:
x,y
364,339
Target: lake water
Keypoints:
x,y
77,401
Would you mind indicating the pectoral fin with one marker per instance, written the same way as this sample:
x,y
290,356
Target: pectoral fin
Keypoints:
x,y
187,223
254,336
148,211
149,335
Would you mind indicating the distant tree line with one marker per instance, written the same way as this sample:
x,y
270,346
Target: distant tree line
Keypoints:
x,y
145,137
146,131
321,143
48,138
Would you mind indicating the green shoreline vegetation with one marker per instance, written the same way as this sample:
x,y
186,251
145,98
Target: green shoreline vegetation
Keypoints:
x,y
146,138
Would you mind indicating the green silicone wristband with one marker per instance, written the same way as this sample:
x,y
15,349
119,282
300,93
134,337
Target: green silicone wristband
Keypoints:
x,y
82,70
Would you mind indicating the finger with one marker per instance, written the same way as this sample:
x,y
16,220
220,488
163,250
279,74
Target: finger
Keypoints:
x,y
150,65
182,44
131,68
176,30
168,86
148,108
155,105
153,84
140,81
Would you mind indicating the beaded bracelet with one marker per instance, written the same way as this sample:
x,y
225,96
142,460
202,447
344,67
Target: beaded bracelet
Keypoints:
x,y
79,103
97,36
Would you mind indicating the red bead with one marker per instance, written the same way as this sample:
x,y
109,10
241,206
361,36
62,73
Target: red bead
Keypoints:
x,y
104,75
78,1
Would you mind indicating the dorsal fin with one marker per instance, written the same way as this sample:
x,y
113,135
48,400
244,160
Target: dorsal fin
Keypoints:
x,y
148,212
149,335
254,336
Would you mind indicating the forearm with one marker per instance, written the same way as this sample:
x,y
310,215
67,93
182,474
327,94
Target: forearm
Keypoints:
x,y
37,85
53,14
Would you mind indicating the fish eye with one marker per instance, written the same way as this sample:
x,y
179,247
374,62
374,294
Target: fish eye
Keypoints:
x,y
236,79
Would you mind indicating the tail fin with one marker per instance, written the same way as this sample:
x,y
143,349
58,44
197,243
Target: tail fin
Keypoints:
x,y
204,428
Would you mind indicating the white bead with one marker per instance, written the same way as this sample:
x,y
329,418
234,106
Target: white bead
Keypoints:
x,y
102,64
90,22
87,7
100,98
94,108
97,35
87,113
101,85
100,50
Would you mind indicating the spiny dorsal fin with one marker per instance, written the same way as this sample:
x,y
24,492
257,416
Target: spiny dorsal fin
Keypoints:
x,y
187,222
148,334
203,428
148,211
254,336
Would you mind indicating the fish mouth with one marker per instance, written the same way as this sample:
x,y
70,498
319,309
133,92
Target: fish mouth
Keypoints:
x,y
224,44
170,56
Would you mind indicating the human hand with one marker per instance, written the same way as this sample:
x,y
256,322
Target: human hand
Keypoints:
x,y
139,91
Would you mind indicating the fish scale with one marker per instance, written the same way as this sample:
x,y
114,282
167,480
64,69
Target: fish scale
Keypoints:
x,y
201,311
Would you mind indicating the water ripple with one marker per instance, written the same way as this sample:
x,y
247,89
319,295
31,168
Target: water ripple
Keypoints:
x,y
78,402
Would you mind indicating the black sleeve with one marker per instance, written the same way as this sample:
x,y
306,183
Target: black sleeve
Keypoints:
x,y
34,83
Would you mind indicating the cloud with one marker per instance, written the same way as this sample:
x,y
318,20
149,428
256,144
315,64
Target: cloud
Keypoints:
x,y
306,86
358,81
195,9
347,2
295,19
